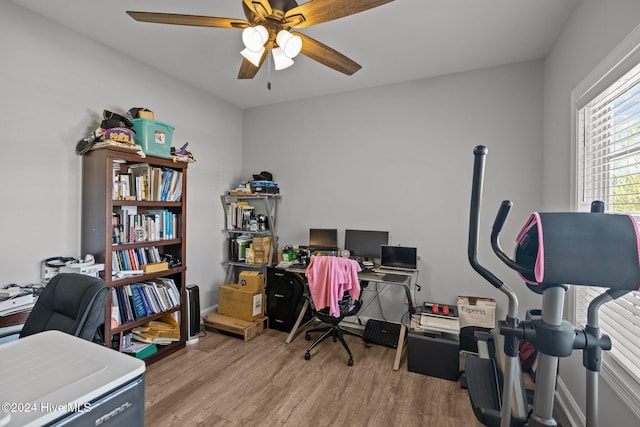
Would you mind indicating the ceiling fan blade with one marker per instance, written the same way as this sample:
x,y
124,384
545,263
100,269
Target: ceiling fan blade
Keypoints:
x,y
327,56
318,11
193,20
251,15
248,70
259,7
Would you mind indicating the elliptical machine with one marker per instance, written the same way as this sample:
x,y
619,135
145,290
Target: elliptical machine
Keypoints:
x,y
552,251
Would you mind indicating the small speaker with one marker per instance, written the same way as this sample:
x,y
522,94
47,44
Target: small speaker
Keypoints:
x,y
193,314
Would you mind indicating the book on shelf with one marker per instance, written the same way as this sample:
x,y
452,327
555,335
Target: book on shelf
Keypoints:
x,y
124,186
140,350
115,308
133,260
138,305
151,298
144,182
141,299
162,331
168,173
162,297
148,290
144,337
147,307
126,291
123,306
175,193
229,211
156,175
172,290
239,214
141,173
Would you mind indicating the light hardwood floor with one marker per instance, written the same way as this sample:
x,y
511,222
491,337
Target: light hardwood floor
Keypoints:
x,y
224,381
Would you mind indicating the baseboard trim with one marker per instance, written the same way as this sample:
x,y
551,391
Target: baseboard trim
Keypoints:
x,y
208,310
567,407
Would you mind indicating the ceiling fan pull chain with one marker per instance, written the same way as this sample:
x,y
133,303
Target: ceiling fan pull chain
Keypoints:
x,y
268,72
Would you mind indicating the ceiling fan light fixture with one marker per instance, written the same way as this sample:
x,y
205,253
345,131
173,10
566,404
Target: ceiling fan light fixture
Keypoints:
x,y
253,56
290,44
254,38
280,59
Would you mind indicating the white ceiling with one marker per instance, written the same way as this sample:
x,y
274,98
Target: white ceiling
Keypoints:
x,y
399,41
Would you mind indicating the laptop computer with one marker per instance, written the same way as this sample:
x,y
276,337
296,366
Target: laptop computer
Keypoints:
x,y
398,258
323,239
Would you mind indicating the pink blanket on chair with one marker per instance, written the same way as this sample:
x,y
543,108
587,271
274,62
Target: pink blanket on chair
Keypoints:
x,y
329,278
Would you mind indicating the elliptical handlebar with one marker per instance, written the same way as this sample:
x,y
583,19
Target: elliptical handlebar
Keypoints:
x,y
479,153
501,218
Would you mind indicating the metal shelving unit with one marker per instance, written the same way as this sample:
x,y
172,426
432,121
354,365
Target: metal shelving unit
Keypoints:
x,y
265,204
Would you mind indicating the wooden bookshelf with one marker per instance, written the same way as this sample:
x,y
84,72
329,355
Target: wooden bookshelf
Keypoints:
x,y
101,198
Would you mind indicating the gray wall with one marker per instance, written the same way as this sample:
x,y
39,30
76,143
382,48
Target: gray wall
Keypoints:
x,y
595,28
54,85
399,158
396,158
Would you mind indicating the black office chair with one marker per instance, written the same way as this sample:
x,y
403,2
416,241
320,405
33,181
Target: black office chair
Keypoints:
x,y
71,303
348,306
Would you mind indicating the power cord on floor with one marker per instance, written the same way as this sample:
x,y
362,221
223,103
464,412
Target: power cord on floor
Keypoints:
x,y
203,331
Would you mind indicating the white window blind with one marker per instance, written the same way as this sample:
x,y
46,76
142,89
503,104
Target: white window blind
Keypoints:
x,y
610,133
609,170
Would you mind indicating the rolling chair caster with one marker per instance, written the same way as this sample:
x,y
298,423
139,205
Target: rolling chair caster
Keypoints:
x,y
307,337
350,362
307,356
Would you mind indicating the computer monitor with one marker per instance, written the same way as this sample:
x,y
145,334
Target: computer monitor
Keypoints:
x,y
365,243
399,257
323,238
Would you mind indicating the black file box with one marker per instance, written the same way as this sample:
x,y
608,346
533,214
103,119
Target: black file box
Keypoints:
x,y
434,354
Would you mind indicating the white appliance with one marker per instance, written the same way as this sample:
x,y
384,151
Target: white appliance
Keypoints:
x,y
54,378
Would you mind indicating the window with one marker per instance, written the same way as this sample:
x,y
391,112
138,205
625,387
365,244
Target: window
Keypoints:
x,y
608,159
609,135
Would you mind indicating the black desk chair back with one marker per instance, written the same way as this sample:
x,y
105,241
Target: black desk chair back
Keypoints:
x,y
348,305
71,303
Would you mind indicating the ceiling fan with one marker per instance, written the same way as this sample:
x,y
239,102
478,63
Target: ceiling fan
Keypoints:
x,y
267,29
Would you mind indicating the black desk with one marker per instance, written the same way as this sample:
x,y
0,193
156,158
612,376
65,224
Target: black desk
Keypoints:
x,y
364,276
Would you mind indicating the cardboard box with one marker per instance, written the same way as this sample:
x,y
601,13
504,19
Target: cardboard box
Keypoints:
x,y
240,304
477,311
157,266
236,327
261,243
251,281
260,257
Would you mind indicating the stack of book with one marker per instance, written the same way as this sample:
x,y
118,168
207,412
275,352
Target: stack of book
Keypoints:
x,y
129,226
145,182
163,331
140,350
134,259
138,300
239,215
